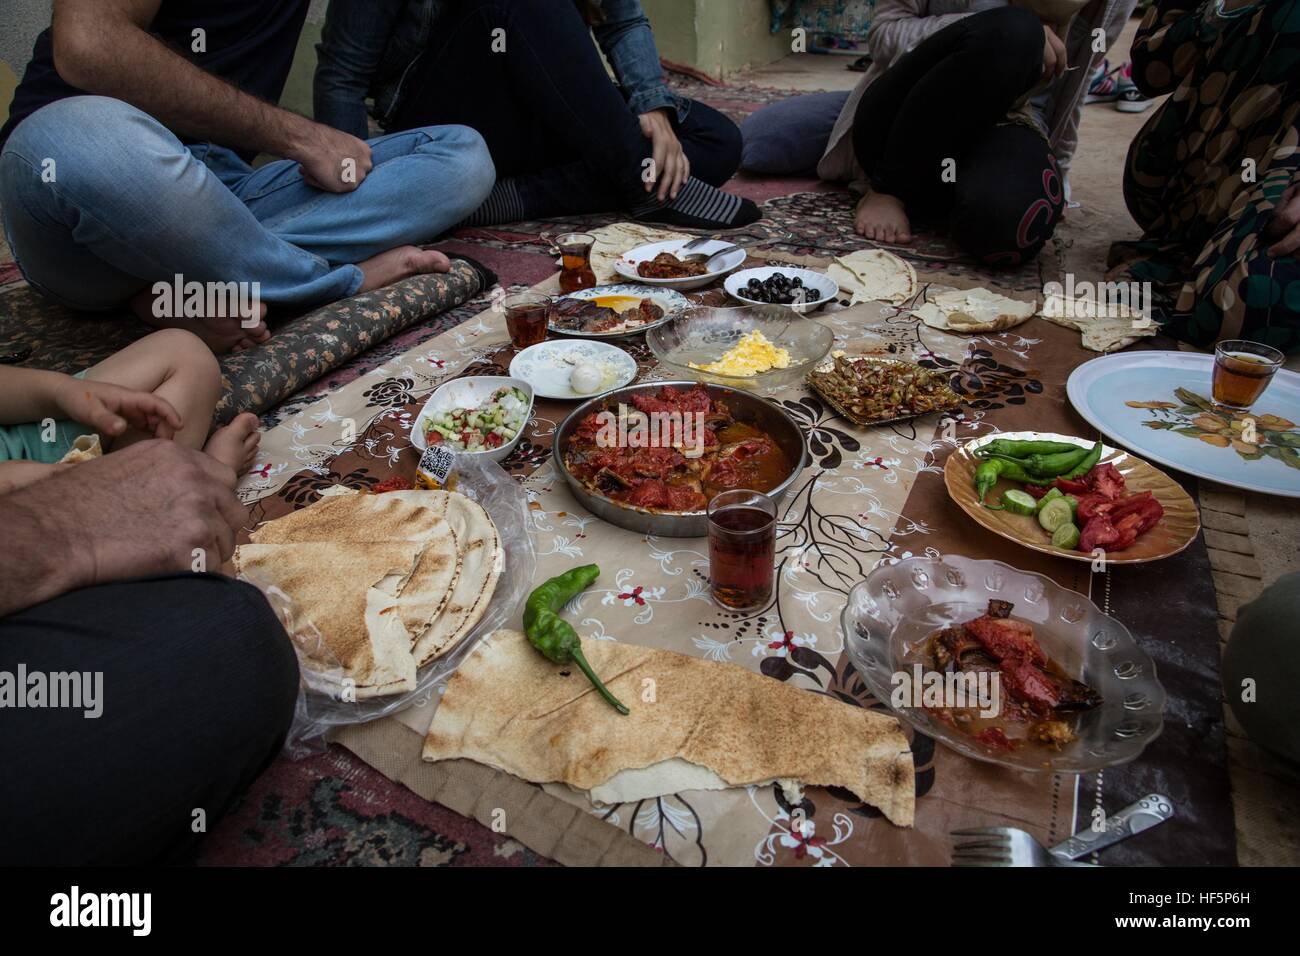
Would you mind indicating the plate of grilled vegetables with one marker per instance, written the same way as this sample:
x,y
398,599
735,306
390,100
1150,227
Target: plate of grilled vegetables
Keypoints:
x,y
872,390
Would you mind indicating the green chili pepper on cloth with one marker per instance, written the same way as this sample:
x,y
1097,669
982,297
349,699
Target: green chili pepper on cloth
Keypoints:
x,y
552,635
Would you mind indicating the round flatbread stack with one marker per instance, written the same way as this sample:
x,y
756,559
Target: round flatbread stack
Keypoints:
x,y
874,275
377,585
974,310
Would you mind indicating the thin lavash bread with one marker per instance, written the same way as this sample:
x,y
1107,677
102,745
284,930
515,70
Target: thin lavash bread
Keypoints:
x,y
510,708
974,310
481,563
345,633
874,275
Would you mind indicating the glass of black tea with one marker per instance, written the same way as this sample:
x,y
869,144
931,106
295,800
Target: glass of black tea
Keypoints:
x,y
1242,370
742,549
527,316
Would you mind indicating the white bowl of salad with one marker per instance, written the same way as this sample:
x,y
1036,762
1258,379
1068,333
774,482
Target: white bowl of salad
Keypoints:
x,y
477,415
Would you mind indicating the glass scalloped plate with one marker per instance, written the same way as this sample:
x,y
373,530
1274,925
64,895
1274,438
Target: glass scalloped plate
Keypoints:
x,y
1172,533
890,616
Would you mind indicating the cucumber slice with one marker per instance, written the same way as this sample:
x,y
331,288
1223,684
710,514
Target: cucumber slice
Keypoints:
x,y
1019,502
1052,495
1054,514
1066,536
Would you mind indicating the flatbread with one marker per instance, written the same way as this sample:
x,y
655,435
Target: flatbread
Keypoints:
x,y
358,518
510,708
481,564
388,607
84,448
1100,333
974,310
349,632
874,275
618,238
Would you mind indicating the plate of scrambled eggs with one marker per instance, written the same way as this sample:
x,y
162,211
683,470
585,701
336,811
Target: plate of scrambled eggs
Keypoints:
x,y
759,348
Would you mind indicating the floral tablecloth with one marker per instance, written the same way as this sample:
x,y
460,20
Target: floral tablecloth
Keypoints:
x,y
868,495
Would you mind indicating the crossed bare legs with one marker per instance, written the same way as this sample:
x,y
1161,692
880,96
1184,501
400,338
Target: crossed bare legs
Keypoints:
x,y
224,334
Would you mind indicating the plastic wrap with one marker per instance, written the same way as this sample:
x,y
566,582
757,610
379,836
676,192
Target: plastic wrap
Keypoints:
x,y
321,707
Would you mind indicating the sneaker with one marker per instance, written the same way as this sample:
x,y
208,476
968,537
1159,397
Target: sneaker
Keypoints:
x,y
1103,87
1130,99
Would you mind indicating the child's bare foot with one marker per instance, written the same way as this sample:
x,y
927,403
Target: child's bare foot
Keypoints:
x,y
400,263
235,444
881,217
221,334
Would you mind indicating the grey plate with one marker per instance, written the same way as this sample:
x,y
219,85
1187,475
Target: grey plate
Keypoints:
x,y
747,407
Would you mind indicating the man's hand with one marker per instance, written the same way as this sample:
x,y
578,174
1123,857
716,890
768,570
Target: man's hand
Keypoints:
x,y
143,510
1054,55
111,409
332,161
671,167
1285,225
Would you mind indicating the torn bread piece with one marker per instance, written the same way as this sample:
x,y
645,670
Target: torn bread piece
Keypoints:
x,y
510,708
349,634
84,448
974,310
874,275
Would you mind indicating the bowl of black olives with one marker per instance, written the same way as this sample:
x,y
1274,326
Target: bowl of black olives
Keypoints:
x,y
801,290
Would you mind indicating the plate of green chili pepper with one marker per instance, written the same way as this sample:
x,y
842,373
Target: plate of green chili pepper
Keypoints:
x,y
1007,483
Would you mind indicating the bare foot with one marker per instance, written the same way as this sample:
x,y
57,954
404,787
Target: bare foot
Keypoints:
x,y
221,334
400,263
235,444
881,217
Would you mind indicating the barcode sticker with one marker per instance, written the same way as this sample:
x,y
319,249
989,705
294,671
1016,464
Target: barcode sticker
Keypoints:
x,y
436,464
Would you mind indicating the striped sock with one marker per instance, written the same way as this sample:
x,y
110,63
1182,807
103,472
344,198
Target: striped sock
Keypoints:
x,y
502,205
700,206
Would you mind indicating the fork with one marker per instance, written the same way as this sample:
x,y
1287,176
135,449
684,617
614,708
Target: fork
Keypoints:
x,y
696,243
1008,846
1004,846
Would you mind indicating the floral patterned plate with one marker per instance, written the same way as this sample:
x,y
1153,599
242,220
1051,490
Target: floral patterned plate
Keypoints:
x,y
621,297
1158,404
1173,532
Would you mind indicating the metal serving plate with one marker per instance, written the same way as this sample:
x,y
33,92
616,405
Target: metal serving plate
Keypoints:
x,y
747,408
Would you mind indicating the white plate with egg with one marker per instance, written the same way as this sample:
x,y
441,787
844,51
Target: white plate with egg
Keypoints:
x,y
572,369
624,302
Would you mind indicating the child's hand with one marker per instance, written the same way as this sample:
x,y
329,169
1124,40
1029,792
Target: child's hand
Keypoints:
x,y
111,409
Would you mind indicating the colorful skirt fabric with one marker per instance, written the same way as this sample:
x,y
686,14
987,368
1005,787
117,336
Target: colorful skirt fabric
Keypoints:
x,y
1207,173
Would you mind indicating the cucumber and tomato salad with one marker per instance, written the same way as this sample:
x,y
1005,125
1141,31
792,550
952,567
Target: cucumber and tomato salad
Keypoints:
x,y
491,425
1038,463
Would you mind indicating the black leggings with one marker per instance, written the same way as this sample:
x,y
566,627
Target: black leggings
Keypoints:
x,y
547,109
948,100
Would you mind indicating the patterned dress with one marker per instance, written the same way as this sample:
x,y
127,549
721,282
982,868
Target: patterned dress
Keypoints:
x,y
1207,171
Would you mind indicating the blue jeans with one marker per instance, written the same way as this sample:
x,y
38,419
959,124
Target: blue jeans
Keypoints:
x,y
127,204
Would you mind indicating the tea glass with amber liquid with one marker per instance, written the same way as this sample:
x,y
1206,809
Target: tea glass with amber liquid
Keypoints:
x,y
528,314
575,254
742,549
1242,370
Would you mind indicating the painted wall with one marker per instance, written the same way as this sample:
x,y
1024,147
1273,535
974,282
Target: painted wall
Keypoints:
x,y
719,37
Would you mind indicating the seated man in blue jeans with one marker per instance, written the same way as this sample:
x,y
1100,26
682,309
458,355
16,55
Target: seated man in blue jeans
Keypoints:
x,y
126,162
